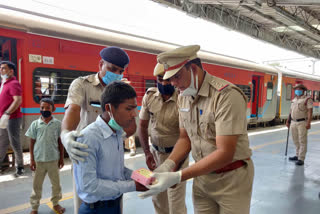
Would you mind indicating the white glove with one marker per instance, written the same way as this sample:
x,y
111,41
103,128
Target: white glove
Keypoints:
x,y
72,146
167,166
4,121
163,181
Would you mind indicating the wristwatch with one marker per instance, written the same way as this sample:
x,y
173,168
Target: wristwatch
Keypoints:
x,y
6,112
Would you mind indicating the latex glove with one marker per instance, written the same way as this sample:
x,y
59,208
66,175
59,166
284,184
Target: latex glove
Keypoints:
x,y
72,146
163,181
4,121
167,166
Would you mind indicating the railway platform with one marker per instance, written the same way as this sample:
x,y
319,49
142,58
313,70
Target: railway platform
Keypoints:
x,y
280,187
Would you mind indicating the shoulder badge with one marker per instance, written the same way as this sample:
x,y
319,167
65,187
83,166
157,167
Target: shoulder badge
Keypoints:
x,y
218,83
152,89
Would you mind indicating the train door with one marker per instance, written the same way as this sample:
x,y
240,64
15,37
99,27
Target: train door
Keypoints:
x,y
8,50
255,96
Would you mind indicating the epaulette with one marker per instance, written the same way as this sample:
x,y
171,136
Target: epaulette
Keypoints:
x,y
219,84
152,89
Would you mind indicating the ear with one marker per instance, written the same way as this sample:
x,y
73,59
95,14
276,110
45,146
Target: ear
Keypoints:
x,y
54,108
107,107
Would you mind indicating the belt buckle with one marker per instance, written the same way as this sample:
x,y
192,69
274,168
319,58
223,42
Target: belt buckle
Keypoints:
x,y
162,149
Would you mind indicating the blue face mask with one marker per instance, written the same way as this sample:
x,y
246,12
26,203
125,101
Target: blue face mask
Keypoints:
x,y
166,89
113,123
298,92
110,77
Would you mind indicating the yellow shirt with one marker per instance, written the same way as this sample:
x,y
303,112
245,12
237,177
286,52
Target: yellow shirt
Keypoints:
x,y
218,109
163,116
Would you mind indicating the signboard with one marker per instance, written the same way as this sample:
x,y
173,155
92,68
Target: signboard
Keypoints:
x,y
35,58
48,60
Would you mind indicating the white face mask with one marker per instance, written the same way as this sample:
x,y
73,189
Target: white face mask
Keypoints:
x,y
191,90
4,77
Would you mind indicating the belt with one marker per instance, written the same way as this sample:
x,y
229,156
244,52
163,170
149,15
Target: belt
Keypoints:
x,y
108,203
299,120
163,149
232,166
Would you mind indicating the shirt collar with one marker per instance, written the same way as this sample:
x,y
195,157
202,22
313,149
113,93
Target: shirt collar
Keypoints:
x,y
173,97
10,79
40,121
104,128
204,90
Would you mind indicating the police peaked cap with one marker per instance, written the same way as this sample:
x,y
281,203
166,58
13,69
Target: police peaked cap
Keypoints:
x,y
116,56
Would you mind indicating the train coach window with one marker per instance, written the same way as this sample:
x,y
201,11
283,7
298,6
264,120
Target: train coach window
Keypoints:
x,y
289,92
54,83
309,93
315,96
246,90
150,83
269,90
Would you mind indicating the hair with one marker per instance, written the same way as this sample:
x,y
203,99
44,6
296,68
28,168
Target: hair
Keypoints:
x,y
10,64
116,93
47,100
196,61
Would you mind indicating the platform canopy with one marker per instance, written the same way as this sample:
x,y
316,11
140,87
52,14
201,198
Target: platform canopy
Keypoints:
x,y
292,24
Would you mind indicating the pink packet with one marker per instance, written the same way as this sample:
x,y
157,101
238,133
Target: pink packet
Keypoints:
x,y
143,176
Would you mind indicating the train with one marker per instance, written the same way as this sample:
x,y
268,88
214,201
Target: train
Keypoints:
x,y
50,53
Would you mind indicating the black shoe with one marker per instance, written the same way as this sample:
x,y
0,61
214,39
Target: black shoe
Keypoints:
x,y
299,162
19,171
294,158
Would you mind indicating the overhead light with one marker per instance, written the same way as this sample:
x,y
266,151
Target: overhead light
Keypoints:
x,y
288,28
317,46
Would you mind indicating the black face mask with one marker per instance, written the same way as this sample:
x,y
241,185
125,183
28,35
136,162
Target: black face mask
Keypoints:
x,y
165,89
45,114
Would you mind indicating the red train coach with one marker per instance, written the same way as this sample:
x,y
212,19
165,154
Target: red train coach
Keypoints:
x,y
50,53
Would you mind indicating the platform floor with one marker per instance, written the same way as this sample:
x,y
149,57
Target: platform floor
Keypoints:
x,y
280,187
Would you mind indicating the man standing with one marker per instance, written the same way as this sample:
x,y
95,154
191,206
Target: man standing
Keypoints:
x,y
301,116
10,102
212,120
159,106
83,102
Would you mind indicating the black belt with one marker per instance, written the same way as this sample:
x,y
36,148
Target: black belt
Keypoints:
x,y
299,120
108,203
163,149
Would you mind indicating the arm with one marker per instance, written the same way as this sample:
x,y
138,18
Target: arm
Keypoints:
x,y
143,138
31,147
223,155
17,100
288,120
71,118
61,151
310,110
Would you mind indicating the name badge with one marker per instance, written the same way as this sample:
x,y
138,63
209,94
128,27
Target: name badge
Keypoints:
x,y
184,109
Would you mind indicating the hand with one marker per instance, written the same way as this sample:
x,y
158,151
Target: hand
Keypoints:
x,y
163,181
140,187
72,146
167,166
287,124
33,165
61,163
308,126
151,163
4,121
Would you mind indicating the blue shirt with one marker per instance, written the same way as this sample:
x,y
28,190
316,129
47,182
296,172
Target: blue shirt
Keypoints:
x,y
102,176
46,136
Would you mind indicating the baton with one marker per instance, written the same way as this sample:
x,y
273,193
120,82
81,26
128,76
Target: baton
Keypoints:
x,y
287,141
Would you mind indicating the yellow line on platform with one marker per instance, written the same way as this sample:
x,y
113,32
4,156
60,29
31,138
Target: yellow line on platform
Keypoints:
x,y
46,201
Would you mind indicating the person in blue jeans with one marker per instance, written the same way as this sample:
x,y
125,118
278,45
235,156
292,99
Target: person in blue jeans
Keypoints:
x,y
102,178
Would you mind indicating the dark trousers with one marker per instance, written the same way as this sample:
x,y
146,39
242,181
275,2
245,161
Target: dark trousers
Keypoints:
x,y
101,207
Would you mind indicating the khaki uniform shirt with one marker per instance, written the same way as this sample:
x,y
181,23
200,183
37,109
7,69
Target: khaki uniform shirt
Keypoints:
x,y
300,106
163,116
218,109
84,91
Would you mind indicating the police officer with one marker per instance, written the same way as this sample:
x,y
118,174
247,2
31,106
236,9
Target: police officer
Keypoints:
x,y
212,120
159,106
83,102
300,117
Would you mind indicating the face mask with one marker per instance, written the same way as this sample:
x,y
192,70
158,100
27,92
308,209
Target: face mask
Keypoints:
x,y
45,114
191,90
113,123
298,92
166,89
4,77
110,77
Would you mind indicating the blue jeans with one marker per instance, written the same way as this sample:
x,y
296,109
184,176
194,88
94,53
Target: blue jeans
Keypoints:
x,y
104,207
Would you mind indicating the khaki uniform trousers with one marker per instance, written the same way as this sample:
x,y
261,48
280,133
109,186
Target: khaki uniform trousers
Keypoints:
x,y
171,201
299,136
42,168
224,193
